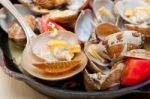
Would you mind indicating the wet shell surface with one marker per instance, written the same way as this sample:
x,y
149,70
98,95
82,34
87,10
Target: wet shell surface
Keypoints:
x,y
77,4
116,44
143,28
63,16
103,10
92,52
138,53
31,55
8,17
138,17
50,3
104,29
57,67
84,26
11,26
99,81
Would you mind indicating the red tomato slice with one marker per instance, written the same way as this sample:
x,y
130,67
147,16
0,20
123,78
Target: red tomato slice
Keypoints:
x,y
135,71
47,24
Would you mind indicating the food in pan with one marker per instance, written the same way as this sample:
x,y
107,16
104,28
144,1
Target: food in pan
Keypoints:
x,y
113,36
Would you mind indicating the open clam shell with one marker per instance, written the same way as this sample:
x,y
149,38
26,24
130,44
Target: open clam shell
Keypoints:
x,y
116,44
10,25
77,4
103,10
31,55
48,4
114,76
44,6
143,28
99,81
63,16
138,53
84,26
5,21
90,84
34,8
104,29
122,5
41,44
57,67
92,66
92,52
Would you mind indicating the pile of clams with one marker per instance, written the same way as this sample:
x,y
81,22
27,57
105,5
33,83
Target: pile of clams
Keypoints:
x,y
111,37
107,33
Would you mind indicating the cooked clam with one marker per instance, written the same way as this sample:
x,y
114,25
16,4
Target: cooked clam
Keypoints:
x,y
103,10
104,29
8,17
92,52
138,53
11,26
84,26
44,6
16,33
57,67
118,43
64,16
143,28
136,14
39,53
48,4
99,81
77,4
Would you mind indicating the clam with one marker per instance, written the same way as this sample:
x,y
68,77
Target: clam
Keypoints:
x,y
134,11
77,4
7,17
137,15
84,26
147,44
44,6
48,4
34,8
114,77
116,44
104,29
143,28
40,63
138,53
64,16
14,30
99,81
57,67
103,10
92,52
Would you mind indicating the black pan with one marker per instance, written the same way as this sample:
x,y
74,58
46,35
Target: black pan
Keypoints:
x,y
51,90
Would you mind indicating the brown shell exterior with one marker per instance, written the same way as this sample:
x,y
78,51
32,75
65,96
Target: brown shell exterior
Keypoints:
x,y
115,51
88,82
118,43
50,3
114,76
143,29
105,29
138,53
57,67
16,33
63,16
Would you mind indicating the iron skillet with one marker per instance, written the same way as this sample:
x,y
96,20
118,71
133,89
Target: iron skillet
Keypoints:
x,y
10,69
